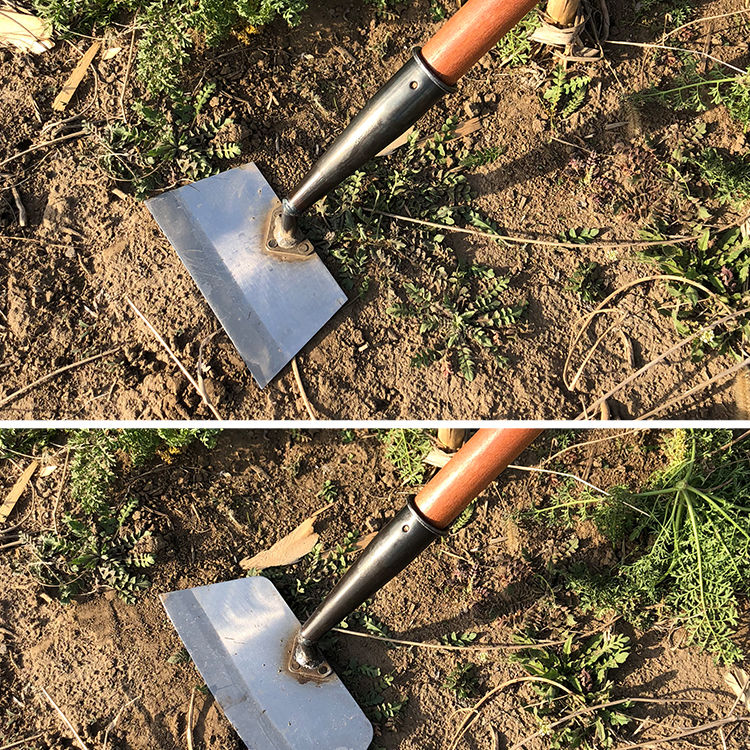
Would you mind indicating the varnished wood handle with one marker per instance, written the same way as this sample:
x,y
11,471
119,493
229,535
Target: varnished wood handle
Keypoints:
x,y
470,33
470,471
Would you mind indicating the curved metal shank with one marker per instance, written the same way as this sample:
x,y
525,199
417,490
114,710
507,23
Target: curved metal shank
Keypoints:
x,y
389,113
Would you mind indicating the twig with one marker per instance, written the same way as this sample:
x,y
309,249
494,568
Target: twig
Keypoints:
x,y
13,396
44,144
11,545
179,364
127,71
112,724
741,71
532,241
558,474
478,647
199,368
688,732
190,721
601,308
609,704
59,491
575,446
23,218
469,720
301,388
662,357
64,718
36,240
704,18
696,389
22,742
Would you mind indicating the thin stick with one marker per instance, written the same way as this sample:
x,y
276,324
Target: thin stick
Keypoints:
x,y
602,308
44,144
64,718
22,742
741,71
302,393
166,348
20,392
696,389
616,436
558,474
662,357
705,18
199,369
36,240
23,218
127,71
531,241
688,733
468,721
112,724
190,721
59,491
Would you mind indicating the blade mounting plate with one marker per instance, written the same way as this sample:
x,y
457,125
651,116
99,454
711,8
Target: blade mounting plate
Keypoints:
x,y
238,634
269,307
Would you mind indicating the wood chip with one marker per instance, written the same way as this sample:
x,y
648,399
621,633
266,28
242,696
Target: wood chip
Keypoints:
x,y
17,490
365,540
289,549
438,458
71,85
739,682
25,32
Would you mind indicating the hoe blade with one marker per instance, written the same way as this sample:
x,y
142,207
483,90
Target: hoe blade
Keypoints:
x,y
238,634
269,307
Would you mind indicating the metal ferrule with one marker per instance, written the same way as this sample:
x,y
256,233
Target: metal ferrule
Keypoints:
x,y
389,113
395,546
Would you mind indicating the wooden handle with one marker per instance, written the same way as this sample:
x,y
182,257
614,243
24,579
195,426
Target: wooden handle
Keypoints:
x,y
470,471
470,33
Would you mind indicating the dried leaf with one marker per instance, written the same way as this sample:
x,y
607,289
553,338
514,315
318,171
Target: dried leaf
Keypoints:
x,y
111,52
739,682
294,546
16,491
365,540
26,32
47,470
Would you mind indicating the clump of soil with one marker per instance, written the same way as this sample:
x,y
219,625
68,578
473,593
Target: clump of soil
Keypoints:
x,y
65,283
110,666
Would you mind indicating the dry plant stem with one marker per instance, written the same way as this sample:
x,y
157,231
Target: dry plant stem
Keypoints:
x,y
35,240
688,733
17,743
563,12
705,384
68,137
601,308
179,364
592,350
532,241
59,491
741,71
127,71
64,718
705,18
190,721
199,368
474,715
23,218
575,446
558,474
589,709
20,392
301,388
112,724
662,357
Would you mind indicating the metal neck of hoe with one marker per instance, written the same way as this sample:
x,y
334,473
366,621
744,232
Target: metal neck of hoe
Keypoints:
x,y
395,546
388,114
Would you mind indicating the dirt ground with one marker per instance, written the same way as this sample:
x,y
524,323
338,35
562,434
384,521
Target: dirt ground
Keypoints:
x,y
102,660
66,278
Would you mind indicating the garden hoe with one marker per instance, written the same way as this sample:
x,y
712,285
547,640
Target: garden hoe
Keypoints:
x,y
264,668
263,280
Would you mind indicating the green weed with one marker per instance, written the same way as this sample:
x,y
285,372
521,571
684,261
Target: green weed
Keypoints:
x,y
463,680
167,148
583,673
98,546
587,282
463,640
690,527
407,449
565,95
515,48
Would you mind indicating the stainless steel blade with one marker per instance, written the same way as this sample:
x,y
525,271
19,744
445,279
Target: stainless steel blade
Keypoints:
x,y
237,634
269,307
